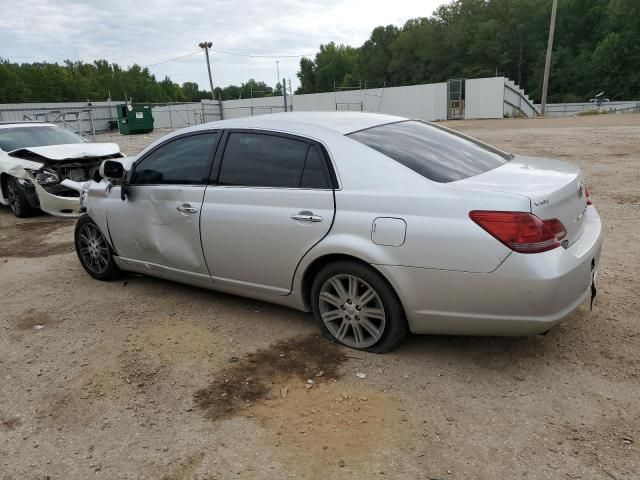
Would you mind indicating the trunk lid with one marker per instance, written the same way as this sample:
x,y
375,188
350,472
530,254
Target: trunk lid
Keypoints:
x,y
555,189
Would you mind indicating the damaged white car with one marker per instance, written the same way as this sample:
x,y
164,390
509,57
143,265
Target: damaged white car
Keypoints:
x,y
44,167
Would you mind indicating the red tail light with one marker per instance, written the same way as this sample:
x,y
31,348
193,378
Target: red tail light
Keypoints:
x,y
586,194
522,232
556,227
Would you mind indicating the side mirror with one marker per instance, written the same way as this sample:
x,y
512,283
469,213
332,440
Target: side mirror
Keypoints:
x,y
112,170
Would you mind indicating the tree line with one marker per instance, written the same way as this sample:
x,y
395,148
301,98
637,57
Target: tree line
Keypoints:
x,y
100,80
597,48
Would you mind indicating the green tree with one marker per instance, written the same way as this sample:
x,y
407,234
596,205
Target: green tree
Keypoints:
x,y
307,76
332,64
375,55
597,47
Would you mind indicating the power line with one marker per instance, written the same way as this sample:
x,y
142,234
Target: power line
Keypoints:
x,y
172,59
237,54
258,56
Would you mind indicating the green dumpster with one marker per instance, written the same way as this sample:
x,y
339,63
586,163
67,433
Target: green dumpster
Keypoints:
x,y
134,119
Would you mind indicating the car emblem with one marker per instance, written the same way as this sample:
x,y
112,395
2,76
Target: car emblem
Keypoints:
x,y
580,189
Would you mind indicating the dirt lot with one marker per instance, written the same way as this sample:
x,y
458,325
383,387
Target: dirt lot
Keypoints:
x,y
143,378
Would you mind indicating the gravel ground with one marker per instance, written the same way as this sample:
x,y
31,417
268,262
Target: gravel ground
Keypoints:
x,y
142,378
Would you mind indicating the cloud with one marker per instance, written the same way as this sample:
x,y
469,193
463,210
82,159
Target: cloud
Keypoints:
x,y
147,32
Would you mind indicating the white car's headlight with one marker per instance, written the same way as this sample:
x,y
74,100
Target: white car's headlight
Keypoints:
x,y
47,176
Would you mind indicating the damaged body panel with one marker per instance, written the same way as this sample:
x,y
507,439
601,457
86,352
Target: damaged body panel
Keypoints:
x,y
47,177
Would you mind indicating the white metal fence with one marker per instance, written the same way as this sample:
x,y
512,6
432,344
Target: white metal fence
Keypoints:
x,y
87,117
569,109
180,115
493,97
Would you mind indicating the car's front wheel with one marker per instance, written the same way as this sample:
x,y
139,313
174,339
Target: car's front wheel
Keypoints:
x,y
17,199
354,305
94,252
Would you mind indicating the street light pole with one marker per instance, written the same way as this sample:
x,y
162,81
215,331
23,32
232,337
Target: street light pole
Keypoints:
x,y
278,71
547,63
207,46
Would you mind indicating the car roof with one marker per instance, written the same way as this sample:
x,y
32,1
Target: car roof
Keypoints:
x,y
24,124
301,122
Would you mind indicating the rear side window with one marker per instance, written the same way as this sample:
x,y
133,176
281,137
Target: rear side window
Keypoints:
x,y
183,161
314,174
262,160
432,152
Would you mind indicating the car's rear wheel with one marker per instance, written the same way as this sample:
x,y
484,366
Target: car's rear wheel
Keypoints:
x,y
18,199
355,306
94,252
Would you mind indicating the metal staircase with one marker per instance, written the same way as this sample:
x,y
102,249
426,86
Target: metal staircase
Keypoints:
x,y
516,102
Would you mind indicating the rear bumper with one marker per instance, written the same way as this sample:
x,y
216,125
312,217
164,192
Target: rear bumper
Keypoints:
x,y
525,295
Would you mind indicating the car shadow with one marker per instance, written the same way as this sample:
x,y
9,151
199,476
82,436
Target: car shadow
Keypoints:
x,y
494,353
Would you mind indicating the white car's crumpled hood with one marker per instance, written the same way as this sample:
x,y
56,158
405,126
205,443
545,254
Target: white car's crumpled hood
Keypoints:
x,y
70,151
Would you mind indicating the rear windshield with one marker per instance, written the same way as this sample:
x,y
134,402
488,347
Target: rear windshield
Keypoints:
x,y
433,152
41,136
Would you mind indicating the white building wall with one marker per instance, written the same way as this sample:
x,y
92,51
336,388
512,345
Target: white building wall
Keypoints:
x,y
484,98
321,102
426,102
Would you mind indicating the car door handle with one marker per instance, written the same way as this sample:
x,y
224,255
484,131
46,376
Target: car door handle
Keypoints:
x,y
306,217
187,209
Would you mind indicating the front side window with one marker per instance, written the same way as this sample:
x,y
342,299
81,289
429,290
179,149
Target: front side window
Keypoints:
x,y
259,160
183,161
432,152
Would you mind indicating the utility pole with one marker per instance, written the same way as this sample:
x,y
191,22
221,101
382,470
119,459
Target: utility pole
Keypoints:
x,y
291,92
284,82
547,63
207,46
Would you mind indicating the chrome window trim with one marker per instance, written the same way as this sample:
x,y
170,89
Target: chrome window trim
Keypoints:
x,y
331,169
166,142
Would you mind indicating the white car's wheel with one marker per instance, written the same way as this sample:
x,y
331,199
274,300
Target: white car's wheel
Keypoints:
x,y
18,199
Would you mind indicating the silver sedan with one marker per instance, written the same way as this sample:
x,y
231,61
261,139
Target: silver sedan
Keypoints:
x,y
379,225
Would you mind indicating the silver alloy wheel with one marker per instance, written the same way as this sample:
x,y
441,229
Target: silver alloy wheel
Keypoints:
x,y
352,311
93,247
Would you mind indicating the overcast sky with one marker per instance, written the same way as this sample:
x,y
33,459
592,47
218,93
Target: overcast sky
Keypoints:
x,y
148,32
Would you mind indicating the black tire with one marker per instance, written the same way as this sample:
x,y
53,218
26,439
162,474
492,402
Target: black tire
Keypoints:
x,y
18,199
380,333
93,250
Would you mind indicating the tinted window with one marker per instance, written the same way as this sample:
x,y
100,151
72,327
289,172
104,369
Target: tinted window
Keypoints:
x,y
252,159
430,151
314,174
39,136
184,161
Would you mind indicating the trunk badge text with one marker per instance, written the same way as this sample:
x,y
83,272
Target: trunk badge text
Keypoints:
x,y
579,217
